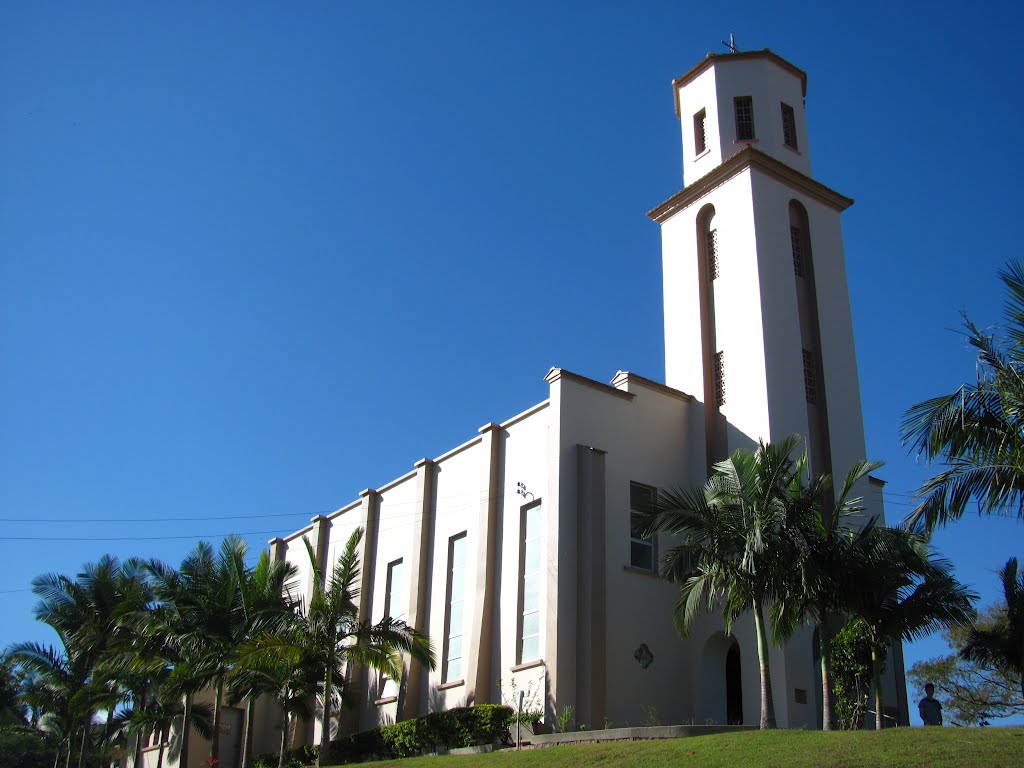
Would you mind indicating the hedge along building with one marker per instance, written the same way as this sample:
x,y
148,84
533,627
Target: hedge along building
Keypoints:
x,y
513,551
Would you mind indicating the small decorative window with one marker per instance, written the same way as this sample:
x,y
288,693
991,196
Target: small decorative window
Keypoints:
x,y
789,126
720,378
712,253
456,593
796,243
744,106
800,695
810,390
700,131
642,553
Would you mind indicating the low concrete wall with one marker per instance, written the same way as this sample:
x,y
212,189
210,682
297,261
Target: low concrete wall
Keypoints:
x,y
472,750
632,734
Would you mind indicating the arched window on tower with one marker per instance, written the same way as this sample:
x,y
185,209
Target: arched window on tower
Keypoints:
x,y
818,443
709,262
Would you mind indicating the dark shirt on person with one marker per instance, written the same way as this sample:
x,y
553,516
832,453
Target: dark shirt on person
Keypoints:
x,y
931,711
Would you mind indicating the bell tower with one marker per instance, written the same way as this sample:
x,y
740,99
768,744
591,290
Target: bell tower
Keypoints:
x,y
757,311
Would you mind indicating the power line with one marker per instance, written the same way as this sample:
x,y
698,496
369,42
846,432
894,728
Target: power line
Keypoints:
x,y
129,538
205,518
445,511
142,520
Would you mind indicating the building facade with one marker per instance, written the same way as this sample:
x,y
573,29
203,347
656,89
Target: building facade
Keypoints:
x,y
514,552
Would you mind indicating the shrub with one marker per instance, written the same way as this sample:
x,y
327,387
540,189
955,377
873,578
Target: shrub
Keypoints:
x,y
293,758
851,674
454,728
22,747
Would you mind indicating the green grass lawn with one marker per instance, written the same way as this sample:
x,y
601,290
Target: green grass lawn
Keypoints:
x,y
897,748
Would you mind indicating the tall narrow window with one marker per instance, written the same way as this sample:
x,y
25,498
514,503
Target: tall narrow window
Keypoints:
x,y
720,378
712,251
744,118
641,551
394,606
810,390
453,620
796,242
700,131
529,620
789,126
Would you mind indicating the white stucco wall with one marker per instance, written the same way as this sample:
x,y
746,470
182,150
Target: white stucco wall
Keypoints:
x,y
781,323
683,346
693,97
737,305
646,441
459,493
399,508
524,459
714,89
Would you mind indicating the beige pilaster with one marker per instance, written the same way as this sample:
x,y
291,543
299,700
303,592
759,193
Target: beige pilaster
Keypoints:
x,y
413,692
319,538
368,553
276,549
370,512
480,680
560,583
590,582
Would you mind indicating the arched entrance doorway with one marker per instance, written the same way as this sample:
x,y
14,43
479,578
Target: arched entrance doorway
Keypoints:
x,y
721,682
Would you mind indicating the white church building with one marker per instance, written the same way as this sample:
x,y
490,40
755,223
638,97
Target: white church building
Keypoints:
x,y
513,551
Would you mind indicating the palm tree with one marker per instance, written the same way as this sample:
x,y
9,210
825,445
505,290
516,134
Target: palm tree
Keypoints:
x,y
1002,645
978,430
338,634
86,614
331,635
290,680
833,541
59,677
738,536
267,607
900,590
162,711
13,710
201,608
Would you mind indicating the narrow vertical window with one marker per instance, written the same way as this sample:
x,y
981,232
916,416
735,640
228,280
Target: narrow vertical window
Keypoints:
x,y
453,619
810,389
529,619
796,243
789,126
394,606
700,131
641,503
744,118
712,253
720,378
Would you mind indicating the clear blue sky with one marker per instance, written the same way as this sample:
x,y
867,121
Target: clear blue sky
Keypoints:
x,y
255,257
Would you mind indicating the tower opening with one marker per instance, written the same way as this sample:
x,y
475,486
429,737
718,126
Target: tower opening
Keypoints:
x,y
709,265
818,443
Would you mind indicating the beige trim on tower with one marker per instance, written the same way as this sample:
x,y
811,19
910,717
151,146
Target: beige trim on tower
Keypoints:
x,y
713,58
749,158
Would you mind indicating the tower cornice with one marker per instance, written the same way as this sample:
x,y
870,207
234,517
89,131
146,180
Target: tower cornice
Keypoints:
x,y
749,158
712,58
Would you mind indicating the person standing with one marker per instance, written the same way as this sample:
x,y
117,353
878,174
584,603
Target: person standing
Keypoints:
x,y
929,707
